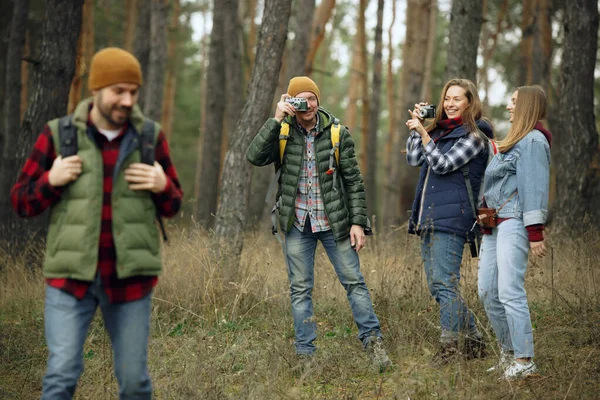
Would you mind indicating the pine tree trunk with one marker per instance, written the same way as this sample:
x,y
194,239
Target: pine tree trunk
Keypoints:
x,y
6,10
302,16
357,70
536,43
463,40
130,22
391,100
25,79
235,187
157,68
322,16
371,147
214,113
82,50
141,48
364,85
173,62
402,179
575,149
51,81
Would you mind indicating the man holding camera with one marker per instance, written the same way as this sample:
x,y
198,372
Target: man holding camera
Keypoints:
x,y
104,173
320,198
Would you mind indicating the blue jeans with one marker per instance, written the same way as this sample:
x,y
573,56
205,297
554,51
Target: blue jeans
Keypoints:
x,y
300,256
442,255
66,323
502,266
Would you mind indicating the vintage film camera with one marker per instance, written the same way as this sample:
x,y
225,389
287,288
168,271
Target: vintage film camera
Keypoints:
x,y
427,112
298,103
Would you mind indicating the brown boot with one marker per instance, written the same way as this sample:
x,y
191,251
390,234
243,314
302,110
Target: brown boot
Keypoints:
x,y
447,353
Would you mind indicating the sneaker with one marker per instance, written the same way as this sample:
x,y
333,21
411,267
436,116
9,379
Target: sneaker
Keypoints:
x,y
516,370
377,353
504,361
447,353
474,348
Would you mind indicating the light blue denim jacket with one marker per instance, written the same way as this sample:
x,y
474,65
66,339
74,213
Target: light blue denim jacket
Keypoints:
x,y
524,169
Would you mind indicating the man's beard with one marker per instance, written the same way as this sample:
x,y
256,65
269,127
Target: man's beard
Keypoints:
x,y
107,115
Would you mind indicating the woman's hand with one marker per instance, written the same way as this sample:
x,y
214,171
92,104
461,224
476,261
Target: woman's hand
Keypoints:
x,y
538,249
414,124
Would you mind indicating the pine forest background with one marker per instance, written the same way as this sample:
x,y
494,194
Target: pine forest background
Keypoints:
x,y
213,72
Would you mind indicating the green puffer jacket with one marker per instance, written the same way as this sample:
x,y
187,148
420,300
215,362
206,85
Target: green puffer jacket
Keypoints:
x,y
341,213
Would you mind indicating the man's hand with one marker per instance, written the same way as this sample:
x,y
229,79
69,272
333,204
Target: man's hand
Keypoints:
x,y
357,237
65,170
284,109
146,177
538,248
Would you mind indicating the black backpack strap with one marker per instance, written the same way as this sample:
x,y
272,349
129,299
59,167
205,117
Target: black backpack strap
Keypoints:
x,y
67,133
147,143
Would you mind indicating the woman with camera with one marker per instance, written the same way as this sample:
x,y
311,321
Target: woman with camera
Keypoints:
x,y
516,200
452,152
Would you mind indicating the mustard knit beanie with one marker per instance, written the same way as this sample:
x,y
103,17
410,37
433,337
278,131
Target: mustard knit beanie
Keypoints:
x,y
301,84
113,65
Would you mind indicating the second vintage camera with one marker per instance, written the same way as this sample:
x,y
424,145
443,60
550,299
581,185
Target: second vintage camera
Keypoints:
x,y
427,112
298,103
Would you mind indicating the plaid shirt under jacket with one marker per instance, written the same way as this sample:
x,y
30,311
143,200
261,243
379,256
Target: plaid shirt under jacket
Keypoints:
x,y
463,151
309,201
32,194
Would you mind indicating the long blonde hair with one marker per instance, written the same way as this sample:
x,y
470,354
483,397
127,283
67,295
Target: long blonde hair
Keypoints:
x,y
471,114
529,109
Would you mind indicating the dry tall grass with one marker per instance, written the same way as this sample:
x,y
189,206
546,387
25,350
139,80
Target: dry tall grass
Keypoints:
x,y
218,332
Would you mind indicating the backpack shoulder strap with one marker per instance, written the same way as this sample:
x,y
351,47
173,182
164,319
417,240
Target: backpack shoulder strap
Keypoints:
x,y
67,134
284,133
335,139
147,142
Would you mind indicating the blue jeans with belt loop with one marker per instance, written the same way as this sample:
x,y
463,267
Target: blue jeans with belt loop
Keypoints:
x,y
300,250
501,286
442,255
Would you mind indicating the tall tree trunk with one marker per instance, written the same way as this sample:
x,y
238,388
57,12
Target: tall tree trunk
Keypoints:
x,y
155,82
402,179
14,56
82,50
357,70
90,40
51,80
25,78
6,10
235,188
536,43
488,45
302,16
364,109
250,39
371,143
141,48
213,123
173,62
463,40
575,149
322,16
130,22
391,98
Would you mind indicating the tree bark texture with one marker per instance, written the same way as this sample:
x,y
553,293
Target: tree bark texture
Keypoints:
x,y
371,142
390,82
302,16
357,70
141,48
131,6
214,113
173,62
575,149
6,10
322,16
402,179
364,109
82,49
536,43
463,40
51,81
232,213
12,79
157,68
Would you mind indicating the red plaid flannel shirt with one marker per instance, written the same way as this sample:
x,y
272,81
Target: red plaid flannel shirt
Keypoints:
x,y
32,194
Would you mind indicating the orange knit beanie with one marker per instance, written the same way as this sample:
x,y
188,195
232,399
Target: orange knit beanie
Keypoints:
x,y
113,65
301,84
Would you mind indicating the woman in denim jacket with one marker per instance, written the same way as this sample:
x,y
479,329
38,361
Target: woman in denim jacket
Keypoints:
x,y
451,150
516,183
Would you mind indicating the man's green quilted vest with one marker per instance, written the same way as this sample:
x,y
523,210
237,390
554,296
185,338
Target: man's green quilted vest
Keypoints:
x,y
74,230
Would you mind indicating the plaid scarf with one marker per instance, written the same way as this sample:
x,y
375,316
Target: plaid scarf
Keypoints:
x,y
446,126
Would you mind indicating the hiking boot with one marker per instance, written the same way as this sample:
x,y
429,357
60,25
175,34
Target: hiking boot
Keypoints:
x,y
474,348
447,353
516,370
503,362
377,354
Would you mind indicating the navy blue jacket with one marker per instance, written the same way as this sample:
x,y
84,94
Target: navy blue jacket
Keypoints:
x,y
446,205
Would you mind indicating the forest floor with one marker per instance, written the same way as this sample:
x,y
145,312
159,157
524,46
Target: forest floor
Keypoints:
x,y
223,333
